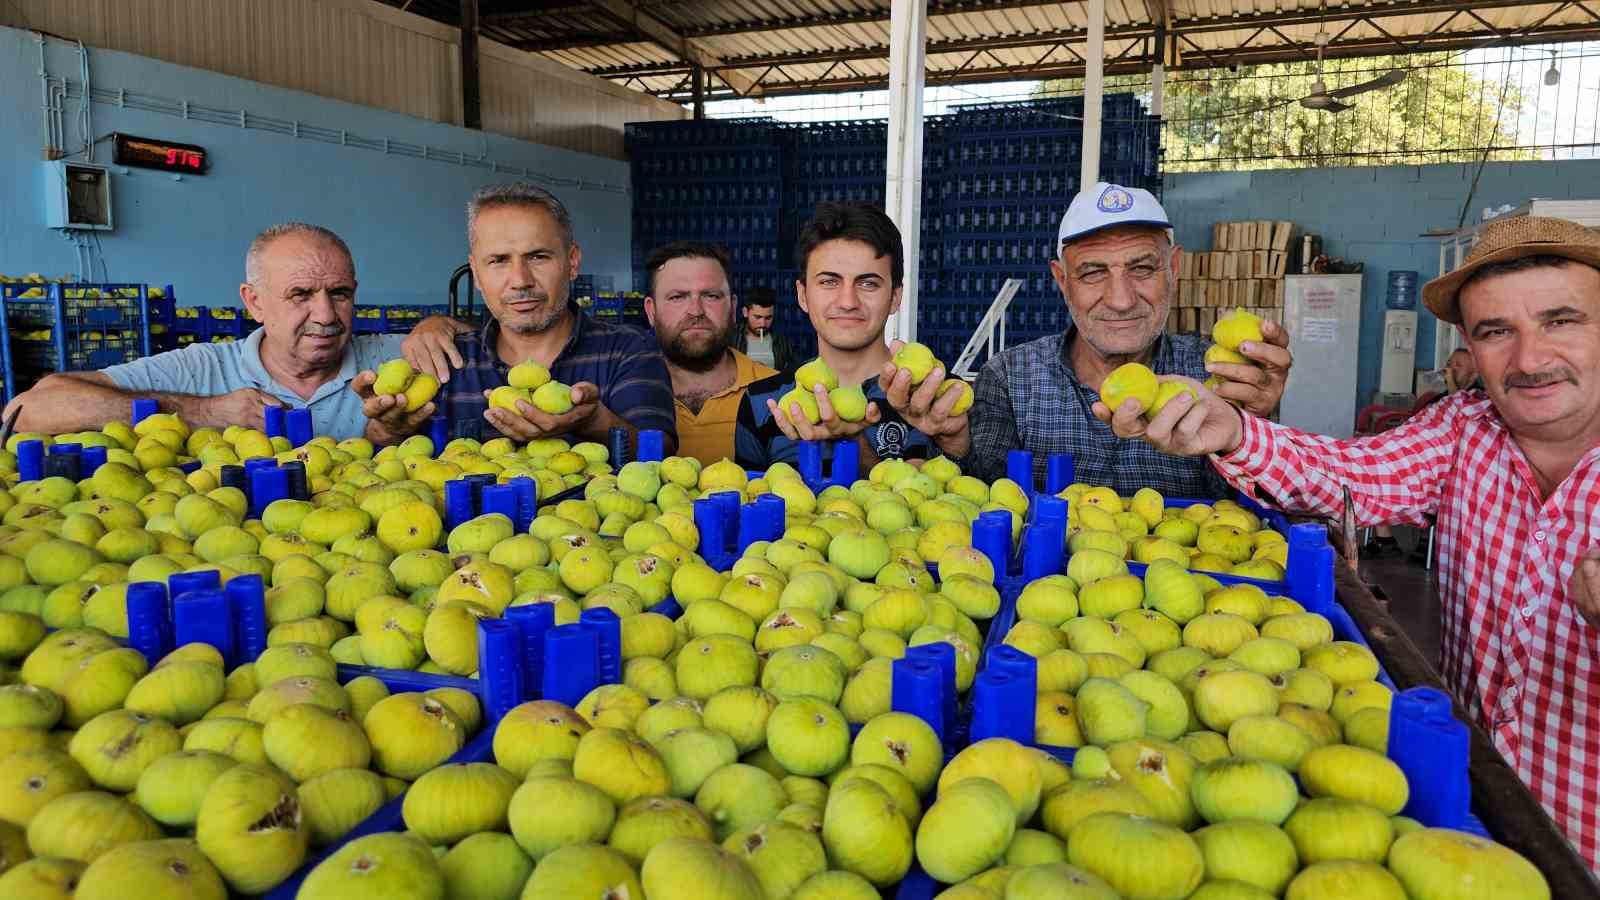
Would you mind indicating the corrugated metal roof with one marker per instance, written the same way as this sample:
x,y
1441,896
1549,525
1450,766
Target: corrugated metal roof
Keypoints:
x,y
792,46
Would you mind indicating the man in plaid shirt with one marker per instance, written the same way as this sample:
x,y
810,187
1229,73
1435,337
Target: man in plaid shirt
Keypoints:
x,y
1511,473
523,260
1117,270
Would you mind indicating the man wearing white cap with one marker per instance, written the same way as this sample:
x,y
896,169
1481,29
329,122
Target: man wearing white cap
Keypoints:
x,y
1117,270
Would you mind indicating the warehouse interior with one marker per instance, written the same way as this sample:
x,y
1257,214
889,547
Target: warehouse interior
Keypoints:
x,y
371,97
1318,161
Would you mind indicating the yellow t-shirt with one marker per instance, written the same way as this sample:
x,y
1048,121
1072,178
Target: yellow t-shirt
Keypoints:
x,y
708,434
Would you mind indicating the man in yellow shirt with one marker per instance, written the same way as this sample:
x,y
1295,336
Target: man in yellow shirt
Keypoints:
x,y
692,308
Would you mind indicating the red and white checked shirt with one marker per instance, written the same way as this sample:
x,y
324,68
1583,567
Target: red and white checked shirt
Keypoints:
x,y
1516,652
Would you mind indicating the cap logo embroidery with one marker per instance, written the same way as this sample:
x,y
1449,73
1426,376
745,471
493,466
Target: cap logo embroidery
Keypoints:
x,y
1114,199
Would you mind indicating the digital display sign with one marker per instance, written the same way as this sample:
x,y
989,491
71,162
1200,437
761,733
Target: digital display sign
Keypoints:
x,y
147,153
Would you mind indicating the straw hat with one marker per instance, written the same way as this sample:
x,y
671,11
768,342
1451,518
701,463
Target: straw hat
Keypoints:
x,y
1507,239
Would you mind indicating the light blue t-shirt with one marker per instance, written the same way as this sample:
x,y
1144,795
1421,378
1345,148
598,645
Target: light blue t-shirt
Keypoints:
x,y
211,369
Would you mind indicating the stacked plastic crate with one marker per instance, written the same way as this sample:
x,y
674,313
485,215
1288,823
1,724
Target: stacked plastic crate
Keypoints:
x,y
395,319
1010,171
995,180
599,295
162,306
719,181
213,325
69,328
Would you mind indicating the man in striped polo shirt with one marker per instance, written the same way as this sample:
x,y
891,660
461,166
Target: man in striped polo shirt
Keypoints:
x,y
523,259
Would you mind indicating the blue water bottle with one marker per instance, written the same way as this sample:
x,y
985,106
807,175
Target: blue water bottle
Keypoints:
x,y
1402,289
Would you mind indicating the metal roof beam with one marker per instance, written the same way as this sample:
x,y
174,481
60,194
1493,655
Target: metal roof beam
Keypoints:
x,y
1183,30
1313,17
1356,48
881,51
684,48
536,14
574,41
861,17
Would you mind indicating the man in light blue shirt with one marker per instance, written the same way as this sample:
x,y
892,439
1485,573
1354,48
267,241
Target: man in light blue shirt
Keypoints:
x,y
300,285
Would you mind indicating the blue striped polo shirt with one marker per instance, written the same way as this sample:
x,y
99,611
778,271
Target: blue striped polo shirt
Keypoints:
x,y
622,361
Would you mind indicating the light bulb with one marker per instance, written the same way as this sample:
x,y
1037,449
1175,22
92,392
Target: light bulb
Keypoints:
x,y
1552,76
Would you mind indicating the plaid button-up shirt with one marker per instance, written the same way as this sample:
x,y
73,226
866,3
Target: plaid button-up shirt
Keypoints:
x,y
1029,398
622,361
1516,652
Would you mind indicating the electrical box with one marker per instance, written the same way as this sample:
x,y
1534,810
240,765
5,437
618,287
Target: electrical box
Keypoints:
x,y
77,196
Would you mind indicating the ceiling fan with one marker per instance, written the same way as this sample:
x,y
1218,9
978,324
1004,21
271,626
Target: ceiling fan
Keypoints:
x,y
1325,100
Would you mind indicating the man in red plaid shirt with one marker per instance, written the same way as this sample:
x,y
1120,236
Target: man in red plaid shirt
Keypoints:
x,y
1510,473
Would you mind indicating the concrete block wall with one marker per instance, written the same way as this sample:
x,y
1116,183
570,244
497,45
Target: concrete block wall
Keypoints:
x,y
1375,215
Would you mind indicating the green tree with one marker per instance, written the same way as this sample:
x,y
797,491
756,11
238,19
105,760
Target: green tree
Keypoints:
x,y
1251,119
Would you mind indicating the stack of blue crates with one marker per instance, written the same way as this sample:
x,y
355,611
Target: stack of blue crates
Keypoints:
x,y
598,294
163,320
394,319
70,328
996,179
211,324
719,181
1010,169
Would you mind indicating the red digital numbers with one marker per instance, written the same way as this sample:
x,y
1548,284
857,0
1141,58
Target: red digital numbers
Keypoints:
x,y
185,158
136,151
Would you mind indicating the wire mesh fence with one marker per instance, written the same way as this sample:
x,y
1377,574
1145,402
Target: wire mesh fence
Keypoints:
x,y
1506,103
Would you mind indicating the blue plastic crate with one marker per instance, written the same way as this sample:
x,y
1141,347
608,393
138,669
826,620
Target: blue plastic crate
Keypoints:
x,y
209,324
186,320
1426,741
70,327
922,685
228,322
162,321
161,308
370,320
502,643
1000,171
1308,577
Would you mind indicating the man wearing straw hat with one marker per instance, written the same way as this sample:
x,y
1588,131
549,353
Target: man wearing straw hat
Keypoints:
x,y
1512,475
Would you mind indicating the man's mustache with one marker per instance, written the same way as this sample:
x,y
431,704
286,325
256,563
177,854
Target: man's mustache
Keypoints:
x,y
333,330
1539,379
527,294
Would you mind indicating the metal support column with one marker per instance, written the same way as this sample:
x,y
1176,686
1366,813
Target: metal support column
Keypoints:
x,y
471,108
1158,73
1094,79
697,76
908,38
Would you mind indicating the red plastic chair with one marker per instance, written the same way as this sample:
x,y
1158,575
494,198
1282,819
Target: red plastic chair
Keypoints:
x,y
1377,417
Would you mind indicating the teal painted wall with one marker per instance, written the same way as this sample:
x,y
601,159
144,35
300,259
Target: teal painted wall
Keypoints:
x,y
1372,215
403,217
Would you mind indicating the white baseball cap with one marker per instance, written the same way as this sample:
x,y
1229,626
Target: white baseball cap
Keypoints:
x,y
1105,206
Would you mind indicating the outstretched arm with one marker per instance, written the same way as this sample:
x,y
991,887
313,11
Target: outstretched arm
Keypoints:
x,y
76,401
1394,477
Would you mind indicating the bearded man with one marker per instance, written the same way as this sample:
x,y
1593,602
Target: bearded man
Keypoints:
x,y
692,308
